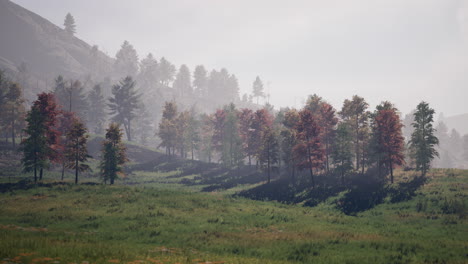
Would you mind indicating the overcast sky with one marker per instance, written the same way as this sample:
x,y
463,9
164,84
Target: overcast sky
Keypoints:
x,y
403,51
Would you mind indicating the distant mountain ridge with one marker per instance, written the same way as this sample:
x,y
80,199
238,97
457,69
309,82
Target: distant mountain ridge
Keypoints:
x,y
45,49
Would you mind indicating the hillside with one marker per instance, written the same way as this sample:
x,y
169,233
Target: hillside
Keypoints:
x,y
45,49
457,122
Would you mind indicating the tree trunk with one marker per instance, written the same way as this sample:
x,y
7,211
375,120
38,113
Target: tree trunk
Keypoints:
x,y
41,172
35,171
13,129
76,168
63,170
310,167
391,172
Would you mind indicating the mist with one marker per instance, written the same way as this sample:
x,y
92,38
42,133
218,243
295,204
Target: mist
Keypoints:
x,y
402,51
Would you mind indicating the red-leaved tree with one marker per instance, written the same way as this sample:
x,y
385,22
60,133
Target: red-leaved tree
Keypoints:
x,y
308,151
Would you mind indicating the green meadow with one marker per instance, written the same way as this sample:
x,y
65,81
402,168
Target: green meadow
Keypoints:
x,y
150,217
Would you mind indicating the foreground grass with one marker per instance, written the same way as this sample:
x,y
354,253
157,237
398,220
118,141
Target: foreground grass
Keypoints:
x,y
159,221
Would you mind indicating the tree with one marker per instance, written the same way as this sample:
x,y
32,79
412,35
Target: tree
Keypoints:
x,y
69,24
389,139
42,142
308,151
76,151
355,114
124,103
327,121
193,133
465,148
71,97
342,153
34,147
246,119
126,60
269,151
167,128
65,121
207,133
166,72
423,141
148,77
258,88
96,110
288,141
13,110
200,81
182,82
262,120
113,154
181,129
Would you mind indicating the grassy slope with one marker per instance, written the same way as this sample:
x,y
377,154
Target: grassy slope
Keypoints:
x,y
166,222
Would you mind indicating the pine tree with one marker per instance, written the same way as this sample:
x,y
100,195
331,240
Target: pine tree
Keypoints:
x,y
126,60
76,151
96,110
124,103
13,111
342,150
258,88
167,128
42,143
288,141
182,82
69,24
465,148
423,141
327,121
113,154
200,81
354,112
269,151
166,72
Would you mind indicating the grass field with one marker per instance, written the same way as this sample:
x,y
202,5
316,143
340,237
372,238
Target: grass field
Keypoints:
x,y
166,222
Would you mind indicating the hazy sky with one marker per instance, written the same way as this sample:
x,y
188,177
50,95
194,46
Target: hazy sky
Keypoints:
x,y
404,51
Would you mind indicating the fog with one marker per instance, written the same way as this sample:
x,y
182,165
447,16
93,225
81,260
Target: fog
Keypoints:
x,y
404,51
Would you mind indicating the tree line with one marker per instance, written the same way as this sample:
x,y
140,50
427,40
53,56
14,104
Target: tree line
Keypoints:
x,y
316,138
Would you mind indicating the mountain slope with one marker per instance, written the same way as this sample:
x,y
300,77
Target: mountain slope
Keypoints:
x,y
44,48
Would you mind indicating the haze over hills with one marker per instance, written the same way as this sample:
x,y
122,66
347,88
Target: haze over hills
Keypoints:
x,y
35,51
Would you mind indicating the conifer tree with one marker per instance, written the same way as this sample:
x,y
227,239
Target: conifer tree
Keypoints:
x,y
166,72
13,111
354,112
167,128
258,88
124,104
342,150
269,153
182,82
423,141
113,154
69,24
76,151
96,111
42,143
126,60
200,81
